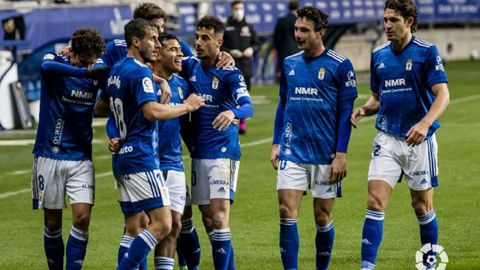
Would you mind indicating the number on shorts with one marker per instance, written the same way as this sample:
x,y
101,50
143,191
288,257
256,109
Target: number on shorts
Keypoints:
x,y
376,150
194,178
41,182
117,108
283,164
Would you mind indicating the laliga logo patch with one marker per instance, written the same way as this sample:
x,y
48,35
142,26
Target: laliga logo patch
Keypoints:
x,y
425,257
147,85
180,92
321,73
408,66
351,82
215,83
439,65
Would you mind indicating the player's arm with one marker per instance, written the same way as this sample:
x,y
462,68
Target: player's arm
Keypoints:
x,y
369,108
279,122
164,89
346,98
419,131
157,111
51,66
113,135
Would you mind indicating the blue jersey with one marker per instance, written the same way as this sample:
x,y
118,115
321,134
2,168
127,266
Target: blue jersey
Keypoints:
x,y
117,49
66,112
130,85
221,89
169,142
317,95
403,81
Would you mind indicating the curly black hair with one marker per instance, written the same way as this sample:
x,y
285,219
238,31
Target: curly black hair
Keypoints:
x,y
87,43
406,9
318,17
211,22
166,36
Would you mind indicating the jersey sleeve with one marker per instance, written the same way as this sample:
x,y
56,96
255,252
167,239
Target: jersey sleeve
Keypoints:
x,y
56,64
348,81
186,50
240,93
434,67
187,67
114,52
144,87
373,76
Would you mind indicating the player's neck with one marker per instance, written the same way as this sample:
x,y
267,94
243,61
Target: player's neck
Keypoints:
x,y
207,62
399,45
162,73
136,55
314,52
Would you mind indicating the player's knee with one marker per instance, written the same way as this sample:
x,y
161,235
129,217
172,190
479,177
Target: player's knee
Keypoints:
x,y
53,224
286,212
176,227
421,206
81,220
160,229
375,203
323,217
219,220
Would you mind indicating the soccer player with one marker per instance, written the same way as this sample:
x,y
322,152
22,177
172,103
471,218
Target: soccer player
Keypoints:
x,y
409,93
63,146
168,64
133,100
311,135
215,149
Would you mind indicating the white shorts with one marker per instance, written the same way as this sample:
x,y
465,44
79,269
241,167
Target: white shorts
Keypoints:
x,y
392,158
177,189
214,179
142,191
53,178
296,176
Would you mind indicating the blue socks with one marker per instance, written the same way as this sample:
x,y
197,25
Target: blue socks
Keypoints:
x,y
164,263
54,248
138,251
124,246
76,249
324,244
188,245
289,243
371,237
221,240
428,233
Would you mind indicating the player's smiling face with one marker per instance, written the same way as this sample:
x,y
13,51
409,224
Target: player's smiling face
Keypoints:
x,y
207,43
170,56
397,28
307,38
149,45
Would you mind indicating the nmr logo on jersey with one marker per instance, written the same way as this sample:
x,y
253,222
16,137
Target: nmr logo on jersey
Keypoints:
x,y
81,94
395,82
306,91
206,97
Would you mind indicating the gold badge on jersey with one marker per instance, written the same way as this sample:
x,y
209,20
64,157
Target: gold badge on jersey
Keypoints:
x,y
215,83
409,64
180,92
321,73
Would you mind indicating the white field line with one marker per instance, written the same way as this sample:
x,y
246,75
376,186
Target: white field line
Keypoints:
x,y
31,142
245,145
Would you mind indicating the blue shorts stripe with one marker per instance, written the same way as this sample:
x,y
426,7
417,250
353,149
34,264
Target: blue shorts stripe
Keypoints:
x,y
147,174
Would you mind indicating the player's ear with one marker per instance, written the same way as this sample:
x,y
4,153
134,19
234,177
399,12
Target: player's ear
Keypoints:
x,y
409,22
135,42
322,32
220,41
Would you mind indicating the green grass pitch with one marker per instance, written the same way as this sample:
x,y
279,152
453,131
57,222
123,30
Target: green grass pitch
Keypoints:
x,y
254,217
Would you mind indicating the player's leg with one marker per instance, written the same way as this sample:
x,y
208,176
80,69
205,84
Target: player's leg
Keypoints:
x,y
48,194
383,174
422,177
80,188
188,243
291,184
324,194
165,250
144,192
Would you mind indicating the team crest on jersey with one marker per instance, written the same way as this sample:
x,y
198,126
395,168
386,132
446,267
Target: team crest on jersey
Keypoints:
x,y
180,92
321,73
215,83
409,64
147,85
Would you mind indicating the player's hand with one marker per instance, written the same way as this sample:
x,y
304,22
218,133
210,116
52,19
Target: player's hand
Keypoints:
x,y
114,145
338,169
223,120
165,90
194,102
357,114
416,135
236,53
98,73
274,155
225,60
248,52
